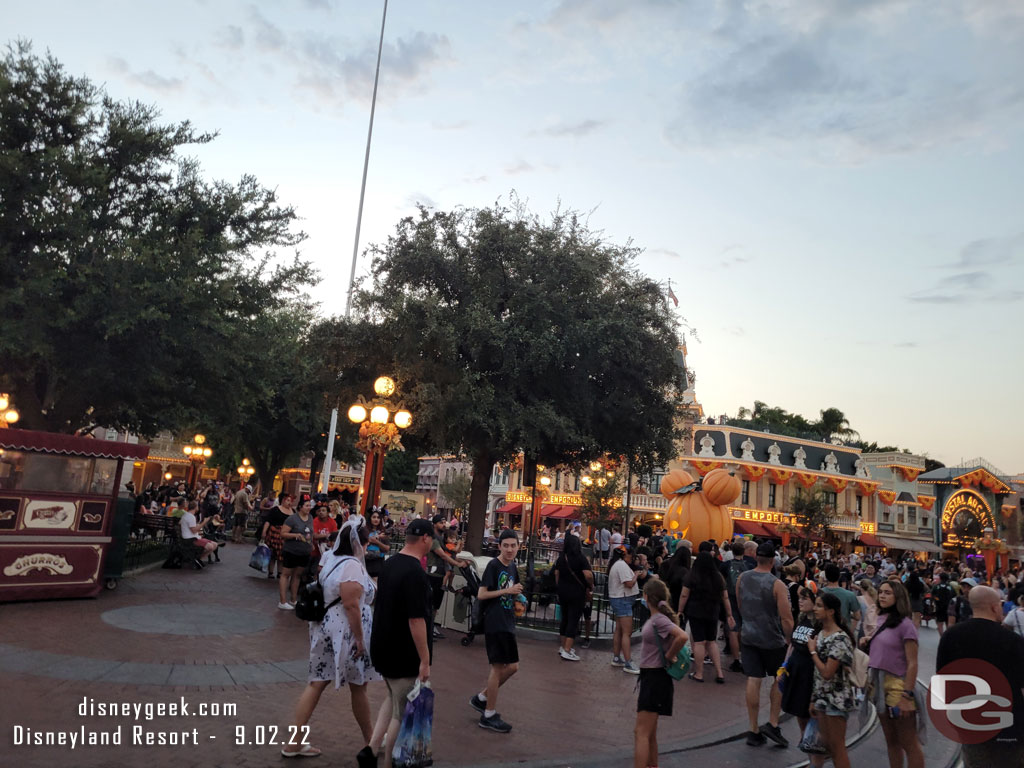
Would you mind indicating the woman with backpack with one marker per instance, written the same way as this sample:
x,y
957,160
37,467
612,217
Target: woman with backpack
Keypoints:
x,y
574,580
704,595
338,645
661,641
833,696
892,675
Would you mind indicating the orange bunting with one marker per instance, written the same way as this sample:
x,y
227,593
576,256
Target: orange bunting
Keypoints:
x,y
752,471
703,467
926,502
837,484
806,479
887,497
909,474
1008,510
779,476
866,489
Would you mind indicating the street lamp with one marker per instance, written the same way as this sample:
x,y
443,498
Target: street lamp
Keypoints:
x,y
246,471
378,433
198,452
8,414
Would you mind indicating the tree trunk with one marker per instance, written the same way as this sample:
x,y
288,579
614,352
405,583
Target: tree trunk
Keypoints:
x,y
482,466
315,465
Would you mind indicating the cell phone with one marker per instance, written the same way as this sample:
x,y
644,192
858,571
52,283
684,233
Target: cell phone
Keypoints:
x,y
894,712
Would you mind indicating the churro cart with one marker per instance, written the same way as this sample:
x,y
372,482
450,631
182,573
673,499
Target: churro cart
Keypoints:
x,y
58,499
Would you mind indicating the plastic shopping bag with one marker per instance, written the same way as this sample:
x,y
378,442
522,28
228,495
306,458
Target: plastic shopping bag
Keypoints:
x,y
812,743
260,558
412,747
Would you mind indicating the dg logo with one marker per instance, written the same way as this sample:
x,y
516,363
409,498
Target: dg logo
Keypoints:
x,y
970,701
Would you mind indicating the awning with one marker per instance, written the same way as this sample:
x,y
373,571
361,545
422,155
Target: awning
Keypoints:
x,y
804,535
749,527
550,510
73,445
870,540
772,530
910,545
564,513
510,509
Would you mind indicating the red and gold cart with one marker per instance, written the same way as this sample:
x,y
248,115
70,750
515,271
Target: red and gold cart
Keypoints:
x,y
58,497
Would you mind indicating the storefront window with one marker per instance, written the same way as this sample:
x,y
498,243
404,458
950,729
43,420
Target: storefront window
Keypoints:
x,y
745,497
771,496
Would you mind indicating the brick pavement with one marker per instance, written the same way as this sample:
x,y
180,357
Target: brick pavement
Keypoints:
x,y
54,654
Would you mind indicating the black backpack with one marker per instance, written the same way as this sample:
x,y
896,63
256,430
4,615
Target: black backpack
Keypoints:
x,y
311,604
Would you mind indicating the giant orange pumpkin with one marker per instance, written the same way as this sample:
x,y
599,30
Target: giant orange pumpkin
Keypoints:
x,y
721,486
694,514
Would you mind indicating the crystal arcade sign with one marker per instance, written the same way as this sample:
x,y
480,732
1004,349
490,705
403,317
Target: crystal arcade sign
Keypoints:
x,y
965,517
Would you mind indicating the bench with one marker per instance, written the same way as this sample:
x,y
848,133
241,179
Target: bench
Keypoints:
x,y
168,529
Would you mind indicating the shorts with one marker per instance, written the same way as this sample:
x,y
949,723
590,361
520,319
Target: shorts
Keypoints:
x,y
761,662
501,648
702,630
735,615
288,560
917,606
239,519
436,590
657,690
622,606
833,712
399,689
201,542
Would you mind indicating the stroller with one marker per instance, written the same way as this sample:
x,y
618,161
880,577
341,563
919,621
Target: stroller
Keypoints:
x,y
469,591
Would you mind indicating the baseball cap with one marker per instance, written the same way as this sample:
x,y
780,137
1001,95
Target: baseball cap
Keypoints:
x,y
438,519
968,582
248,488
766,549
616,539
420,527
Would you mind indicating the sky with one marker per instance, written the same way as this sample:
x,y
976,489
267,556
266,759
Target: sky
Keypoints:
x,y
833,187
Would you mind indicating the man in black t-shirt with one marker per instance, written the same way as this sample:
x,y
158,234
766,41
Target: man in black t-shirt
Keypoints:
x,y
499,589
984,637
399,641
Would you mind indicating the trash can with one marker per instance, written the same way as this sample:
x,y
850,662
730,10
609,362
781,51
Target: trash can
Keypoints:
x,y
113,567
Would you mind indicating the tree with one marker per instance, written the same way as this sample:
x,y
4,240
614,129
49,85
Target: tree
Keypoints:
x,y
812,512
401,469
833,423
601,501
455,491
128,280
512,334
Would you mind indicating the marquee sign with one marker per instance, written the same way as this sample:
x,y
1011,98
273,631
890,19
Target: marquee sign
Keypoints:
x,y
965,517
759,515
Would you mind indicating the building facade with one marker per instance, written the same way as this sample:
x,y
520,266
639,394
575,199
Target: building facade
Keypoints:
x,y
907,519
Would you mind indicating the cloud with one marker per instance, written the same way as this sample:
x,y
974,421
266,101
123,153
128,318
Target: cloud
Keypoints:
x,y
992,250
967,288
516,168
475,179
267,36
230,37
845,80
666,252
147,79
576,130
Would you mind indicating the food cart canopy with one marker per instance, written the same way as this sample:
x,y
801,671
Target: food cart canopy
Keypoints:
x,y
52,442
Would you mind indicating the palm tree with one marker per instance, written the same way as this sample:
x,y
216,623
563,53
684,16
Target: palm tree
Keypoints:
x,y
833,423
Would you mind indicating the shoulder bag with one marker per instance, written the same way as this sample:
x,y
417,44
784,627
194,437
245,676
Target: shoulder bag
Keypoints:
x,y
676,670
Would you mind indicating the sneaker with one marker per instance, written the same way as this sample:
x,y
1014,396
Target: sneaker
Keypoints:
x,y
477,703
774,733
630,668
617,662
708,662
568,655
366,758
495,723
573,655
585,644
286,606
437,634
755,739
736,666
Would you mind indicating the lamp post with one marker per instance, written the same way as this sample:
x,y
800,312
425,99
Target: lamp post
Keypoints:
x,y
8,414
198,452
378,432
245,472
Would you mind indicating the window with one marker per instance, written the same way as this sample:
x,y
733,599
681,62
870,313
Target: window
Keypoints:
x,y
62,474
558,481
860,506
911,516
830,498
745,497
771,495
901,513
924,520
576,482
885,515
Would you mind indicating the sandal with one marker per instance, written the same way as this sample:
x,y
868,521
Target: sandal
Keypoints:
x,y
720,680
696,679
306,751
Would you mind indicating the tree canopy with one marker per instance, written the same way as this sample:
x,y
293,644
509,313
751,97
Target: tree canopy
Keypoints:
x,y
130,282
507,333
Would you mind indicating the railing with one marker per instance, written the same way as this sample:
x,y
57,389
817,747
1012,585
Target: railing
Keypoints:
x,y
648,501
544,613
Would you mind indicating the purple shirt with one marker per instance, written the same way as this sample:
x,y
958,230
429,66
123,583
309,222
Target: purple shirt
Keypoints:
x,y
650,657
887,651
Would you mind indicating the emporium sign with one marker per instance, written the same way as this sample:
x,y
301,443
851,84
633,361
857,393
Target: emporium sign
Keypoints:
x,y
965,517
759,515
563,499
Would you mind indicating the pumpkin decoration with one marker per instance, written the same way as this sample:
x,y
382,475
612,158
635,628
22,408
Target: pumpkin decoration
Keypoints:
x,y
721,486
673,481
694,512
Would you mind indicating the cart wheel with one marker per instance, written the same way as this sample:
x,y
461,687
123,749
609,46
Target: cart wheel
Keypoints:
x,y
110,583
466,640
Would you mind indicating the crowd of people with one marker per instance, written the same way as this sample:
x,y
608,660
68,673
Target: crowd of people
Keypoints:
x,y
793,620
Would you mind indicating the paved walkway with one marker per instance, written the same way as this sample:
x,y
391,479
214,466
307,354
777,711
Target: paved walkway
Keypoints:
x,y
215,637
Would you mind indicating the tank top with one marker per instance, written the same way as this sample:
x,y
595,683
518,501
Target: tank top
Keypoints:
x,y
762,625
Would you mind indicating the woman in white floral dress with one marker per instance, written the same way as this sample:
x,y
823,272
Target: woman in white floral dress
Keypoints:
x,y
338,646
833,695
